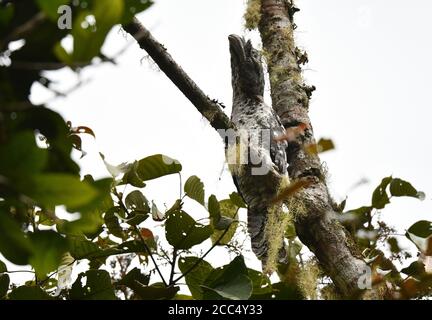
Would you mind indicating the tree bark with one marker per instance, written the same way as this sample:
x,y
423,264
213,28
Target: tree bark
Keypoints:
x,y
312,205
209,108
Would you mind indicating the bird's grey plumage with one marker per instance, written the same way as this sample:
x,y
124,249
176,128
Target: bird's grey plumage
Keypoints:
x,y
250,114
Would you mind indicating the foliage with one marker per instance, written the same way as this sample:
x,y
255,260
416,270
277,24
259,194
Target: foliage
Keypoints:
x,y
115,231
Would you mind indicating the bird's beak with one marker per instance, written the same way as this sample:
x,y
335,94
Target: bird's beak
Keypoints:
x,y
237,47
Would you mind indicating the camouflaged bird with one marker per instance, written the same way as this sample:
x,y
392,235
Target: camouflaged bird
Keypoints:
x,y
257,181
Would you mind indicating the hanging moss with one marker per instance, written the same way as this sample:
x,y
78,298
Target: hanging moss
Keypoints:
x,y
308,279
277,222
252,16
297,208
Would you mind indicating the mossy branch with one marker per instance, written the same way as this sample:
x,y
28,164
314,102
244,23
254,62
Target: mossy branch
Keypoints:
x,y
209,108
325,237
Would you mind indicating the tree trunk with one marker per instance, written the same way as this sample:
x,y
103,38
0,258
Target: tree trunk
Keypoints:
x,y
312,206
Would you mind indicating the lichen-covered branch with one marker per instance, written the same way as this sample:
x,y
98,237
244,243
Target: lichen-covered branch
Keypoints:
x,y
324,236
209,108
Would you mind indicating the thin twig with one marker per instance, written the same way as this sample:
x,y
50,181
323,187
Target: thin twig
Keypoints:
x,y
202,258
173,264
210,109
120,200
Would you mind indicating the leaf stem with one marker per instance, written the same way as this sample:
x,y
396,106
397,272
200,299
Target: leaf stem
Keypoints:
x,y
202,258
123,206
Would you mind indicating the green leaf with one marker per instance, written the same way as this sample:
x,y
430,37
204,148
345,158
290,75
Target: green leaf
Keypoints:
x,y
131,177
133,7
4,285
91,221
183,232
240,288
228,219
50,7
194,189
261,283
214,208
401,188
14,245
21,156
58,189
420,233
379,197
89,224
3,267
6,14
108,13
52,126
88,39
157,166
29,293
197,276
229,282
93,285
237,200
155,291
65,57
46,218
48,248
137,202
81,248
102,201
136,218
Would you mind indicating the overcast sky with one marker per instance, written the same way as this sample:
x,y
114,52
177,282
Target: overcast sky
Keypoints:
x,y
370,61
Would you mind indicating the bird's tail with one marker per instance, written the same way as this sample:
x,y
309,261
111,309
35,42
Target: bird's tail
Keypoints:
x,y
266,228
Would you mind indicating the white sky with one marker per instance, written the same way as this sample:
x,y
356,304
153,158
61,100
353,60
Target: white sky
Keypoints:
x,y
370,61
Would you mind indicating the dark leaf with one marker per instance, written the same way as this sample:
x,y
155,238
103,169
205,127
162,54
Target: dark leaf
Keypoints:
x,y
131,177
194,189
183,232
21,156
132,277
14,245
137,202
229,282
401,188
380,197
4,285
237,200
197,276
157,166
228,219
29,293
113,224
155,291
415,269
3,267
420,233
93,285
214,208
